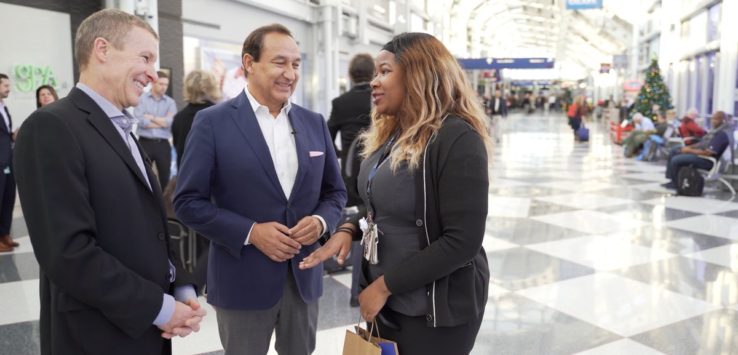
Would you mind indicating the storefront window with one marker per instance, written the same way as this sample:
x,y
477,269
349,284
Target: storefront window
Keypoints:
x,y
417,23
735,107
653,51
698,30
690,98
713,23
712,65
379,9
698,83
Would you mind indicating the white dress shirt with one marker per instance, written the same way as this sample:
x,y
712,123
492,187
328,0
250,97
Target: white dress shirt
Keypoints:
x,y
5,115
277,132
278,135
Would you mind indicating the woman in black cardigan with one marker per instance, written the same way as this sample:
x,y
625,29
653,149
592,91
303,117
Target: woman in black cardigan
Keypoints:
x,y
201,90
424,182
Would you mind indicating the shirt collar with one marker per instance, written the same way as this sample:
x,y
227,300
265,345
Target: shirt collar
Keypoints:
x,y
151,96
255,104
107,107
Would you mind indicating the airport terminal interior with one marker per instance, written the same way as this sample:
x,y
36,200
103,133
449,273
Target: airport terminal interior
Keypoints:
x,y
591,248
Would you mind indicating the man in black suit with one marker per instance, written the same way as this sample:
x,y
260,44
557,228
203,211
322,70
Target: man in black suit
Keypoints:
x,y
93,207
7,183
350,115
350,111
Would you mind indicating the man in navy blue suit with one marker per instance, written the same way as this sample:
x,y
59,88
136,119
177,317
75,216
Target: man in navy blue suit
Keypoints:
x,y
260,179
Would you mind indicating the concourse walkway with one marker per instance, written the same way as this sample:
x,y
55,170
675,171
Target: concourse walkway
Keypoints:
x,y
588,254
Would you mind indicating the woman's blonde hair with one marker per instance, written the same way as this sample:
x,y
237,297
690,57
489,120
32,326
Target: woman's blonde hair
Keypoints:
x,y
435,86
201,86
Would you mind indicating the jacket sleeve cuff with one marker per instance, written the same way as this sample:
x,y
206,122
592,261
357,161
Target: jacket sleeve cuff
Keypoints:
x,y
322,223
166,311
248,236
184,293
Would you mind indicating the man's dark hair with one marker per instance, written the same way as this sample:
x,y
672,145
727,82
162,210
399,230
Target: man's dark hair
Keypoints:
x,y
162,74
255,40
3,76
361,69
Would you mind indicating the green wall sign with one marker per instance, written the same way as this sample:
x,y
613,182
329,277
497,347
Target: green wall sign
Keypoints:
x,y
29,77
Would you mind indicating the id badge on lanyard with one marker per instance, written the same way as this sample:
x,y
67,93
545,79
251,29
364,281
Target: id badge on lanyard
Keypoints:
x,y
370,238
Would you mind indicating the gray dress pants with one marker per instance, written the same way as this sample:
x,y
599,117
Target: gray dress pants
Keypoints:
x,y
294,322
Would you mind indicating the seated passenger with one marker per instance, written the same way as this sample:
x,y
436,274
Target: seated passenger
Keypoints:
x,y
643,129
689,130
643,123
713,145
664,131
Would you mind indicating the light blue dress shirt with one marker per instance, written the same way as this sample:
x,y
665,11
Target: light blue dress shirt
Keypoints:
x,y
163,107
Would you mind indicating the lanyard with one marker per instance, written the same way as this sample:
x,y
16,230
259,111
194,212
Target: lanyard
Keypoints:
x,y
370,239
373,171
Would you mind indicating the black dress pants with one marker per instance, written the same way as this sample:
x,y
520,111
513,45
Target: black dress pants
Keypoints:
x,y
414,337
7,201
160,153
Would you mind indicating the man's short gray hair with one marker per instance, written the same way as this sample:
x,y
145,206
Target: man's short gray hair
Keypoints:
x,y
110,24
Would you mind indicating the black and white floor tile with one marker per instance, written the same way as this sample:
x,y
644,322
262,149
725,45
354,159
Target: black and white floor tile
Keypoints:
x,y
588,255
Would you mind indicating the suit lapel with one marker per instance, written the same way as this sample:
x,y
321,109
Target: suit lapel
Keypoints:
x,y
245,120
102,123
303,154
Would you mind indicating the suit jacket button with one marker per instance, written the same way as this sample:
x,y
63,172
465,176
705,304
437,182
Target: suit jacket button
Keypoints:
x,y
428,317
419,222
161,236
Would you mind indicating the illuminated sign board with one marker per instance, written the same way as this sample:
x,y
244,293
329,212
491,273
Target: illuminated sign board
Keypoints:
x,y
506,63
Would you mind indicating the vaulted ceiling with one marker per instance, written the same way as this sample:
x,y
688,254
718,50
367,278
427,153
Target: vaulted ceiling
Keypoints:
x,y
579,40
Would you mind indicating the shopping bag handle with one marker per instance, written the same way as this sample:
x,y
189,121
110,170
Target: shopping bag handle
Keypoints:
x,y
371,330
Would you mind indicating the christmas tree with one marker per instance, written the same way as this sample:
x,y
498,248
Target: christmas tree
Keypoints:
x,y
653,91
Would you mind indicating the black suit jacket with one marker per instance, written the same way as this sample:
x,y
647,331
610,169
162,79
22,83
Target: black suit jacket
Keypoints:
x,y
350,114
6,141
98,232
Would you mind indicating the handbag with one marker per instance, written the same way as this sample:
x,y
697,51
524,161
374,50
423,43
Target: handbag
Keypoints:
x,y
360,342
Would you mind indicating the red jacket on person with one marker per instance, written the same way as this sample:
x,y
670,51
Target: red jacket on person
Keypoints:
x,y
690,129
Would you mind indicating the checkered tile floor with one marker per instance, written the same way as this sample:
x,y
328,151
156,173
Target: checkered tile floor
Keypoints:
x,y
588,255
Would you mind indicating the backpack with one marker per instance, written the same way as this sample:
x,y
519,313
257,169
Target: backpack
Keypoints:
x,y
689,182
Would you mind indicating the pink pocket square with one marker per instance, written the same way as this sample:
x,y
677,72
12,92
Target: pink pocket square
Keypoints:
x,y
314,154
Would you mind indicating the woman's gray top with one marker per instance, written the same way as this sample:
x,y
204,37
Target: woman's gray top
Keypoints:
x,y
393,201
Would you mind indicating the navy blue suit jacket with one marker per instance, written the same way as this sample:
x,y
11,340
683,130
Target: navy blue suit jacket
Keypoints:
x,y
227,182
